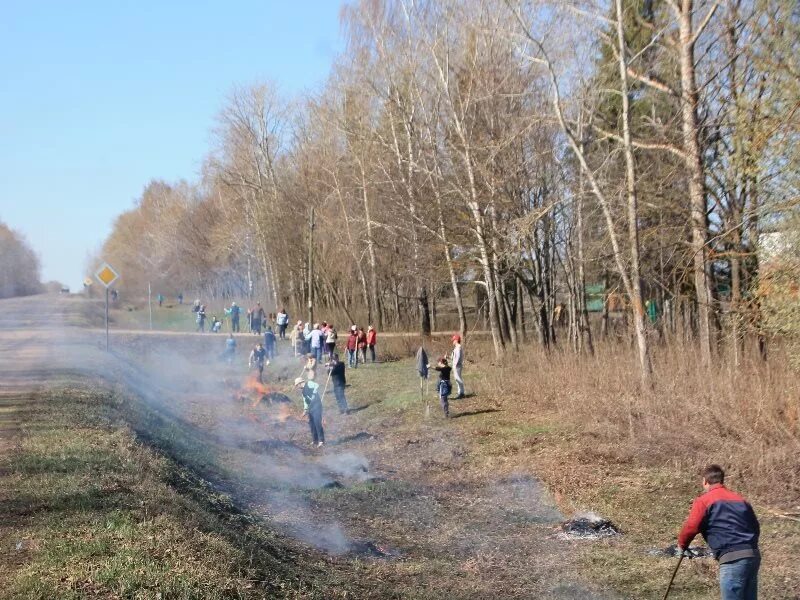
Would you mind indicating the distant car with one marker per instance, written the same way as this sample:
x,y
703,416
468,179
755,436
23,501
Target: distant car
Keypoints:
x,y
65,289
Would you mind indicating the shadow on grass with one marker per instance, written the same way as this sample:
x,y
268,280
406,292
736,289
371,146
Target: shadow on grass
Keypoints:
x,y
356,437
363,407
473,413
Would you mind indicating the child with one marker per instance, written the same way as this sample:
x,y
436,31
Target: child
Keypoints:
x,y
444,387
311,363
258,358
312,407
362,344
352,347
336,368
372,337
216,324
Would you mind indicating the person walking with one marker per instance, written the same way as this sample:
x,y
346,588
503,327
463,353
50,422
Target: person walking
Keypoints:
x,y
258,360
201,318
312,407
256,318
314,338
731,529
337,375
269,343
362,344
235,312
457,360
283,322
443,387
372,337
352,347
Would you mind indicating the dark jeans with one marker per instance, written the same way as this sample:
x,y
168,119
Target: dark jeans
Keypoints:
x,y
352,358
738,580
331,347
270,351
235,324
282,331
444,395
371,352
315,423
341,401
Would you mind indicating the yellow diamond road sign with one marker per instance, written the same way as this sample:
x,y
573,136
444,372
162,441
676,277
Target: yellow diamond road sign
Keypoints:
x,y
106,275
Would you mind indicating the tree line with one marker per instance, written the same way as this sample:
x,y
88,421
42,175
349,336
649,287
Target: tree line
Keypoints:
x,y
19,265
507,160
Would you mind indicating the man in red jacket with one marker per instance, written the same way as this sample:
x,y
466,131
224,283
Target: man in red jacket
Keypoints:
x,y
731,529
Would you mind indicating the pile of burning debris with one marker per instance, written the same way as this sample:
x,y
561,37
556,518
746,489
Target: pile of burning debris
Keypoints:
x,y
587,526
257,396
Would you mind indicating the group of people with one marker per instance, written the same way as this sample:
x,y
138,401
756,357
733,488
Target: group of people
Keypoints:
x,y
725,519
200,319
321,338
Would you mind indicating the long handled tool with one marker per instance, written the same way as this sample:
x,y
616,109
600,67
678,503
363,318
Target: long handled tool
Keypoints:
x,y
671,579
325,389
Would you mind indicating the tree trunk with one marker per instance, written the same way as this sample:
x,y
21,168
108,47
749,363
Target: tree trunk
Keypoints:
x,y
695,170
373,310
645,366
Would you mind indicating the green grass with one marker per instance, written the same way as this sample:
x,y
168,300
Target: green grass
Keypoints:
x,y
97,514
170,317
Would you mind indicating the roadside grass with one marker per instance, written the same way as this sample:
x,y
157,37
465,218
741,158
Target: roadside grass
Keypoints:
x,y
169,317
91,512
571,429
98,476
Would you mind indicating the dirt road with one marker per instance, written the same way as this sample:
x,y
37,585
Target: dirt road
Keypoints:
x,y
446,519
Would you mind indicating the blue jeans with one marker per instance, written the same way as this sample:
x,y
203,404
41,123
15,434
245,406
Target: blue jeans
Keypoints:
x,y
738,580
317,352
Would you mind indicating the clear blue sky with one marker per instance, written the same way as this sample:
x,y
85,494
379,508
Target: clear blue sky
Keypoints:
x,y
98,97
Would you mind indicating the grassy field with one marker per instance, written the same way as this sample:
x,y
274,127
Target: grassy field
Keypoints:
x,y
115,494
89,511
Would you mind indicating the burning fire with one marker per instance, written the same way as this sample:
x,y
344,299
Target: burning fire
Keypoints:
x,y
259,394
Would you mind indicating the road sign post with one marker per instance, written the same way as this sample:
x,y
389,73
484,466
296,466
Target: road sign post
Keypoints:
x,y
107,276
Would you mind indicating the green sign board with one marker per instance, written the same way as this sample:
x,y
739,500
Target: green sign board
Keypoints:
x,y
595,297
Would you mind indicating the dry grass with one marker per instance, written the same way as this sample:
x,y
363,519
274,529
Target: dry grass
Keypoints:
x,y
634,454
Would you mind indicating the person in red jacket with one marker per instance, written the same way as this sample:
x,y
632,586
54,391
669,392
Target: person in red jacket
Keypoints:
x,y
731,529
352,347
372,337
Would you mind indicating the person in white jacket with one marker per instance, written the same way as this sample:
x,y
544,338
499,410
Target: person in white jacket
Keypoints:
x,y
458,364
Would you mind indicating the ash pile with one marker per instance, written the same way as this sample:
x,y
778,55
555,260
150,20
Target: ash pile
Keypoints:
x,y
672,552
588,527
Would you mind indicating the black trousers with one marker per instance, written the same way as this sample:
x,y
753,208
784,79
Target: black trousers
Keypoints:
x,y
315,423
341,401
